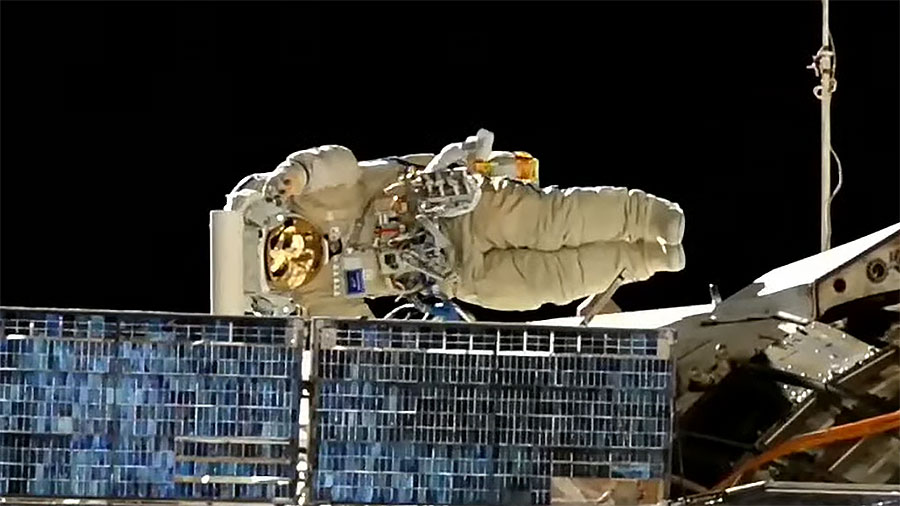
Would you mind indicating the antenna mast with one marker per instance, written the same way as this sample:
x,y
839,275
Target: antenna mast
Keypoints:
x,y
824,65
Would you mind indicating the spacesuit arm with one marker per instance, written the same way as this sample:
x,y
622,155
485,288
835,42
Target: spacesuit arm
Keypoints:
x,y
314,169
311,170
474,148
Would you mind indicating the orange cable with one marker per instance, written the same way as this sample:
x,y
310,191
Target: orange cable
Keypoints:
x,y
855,430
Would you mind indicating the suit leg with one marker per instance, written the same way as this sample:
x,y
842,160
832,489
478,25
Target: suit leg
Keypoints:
x,y
514,215
523,279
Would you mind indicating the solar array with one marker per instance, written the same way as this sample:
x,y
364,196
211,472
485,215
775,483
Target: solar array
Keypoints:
x,y
428,413
199,407
147,405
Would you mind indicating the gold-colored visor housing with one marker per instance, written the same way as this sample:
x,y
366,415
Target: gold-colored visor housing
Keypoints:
x,y
294,254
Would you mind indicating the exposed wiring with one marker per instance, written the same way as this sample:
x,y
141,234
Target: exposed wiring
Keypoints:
x,y
394,312
840,182
833,62
850,431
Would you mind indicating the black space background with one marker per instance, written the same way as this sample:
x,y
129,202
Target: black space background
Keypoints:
x,y
124,123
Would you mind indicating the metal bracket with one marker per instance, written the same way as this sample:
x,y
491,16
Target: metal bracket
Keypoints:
x,y
592,306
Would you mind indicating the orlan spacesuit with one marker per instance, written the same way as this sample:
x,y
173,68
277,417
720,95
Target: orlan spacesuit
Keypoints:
x,y
346,230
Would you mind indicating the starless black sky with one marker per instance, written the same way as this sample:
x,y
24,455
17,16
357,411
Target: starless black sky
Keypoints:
x,y
124,123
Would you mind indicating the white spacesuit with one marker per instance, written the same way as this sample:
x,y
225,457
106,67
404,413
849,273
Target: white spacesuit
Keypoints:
x,y
492,241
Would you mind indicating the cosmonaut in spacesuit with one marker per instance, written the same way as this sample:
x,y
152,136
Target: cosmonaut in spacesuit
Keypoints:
x,y
447,223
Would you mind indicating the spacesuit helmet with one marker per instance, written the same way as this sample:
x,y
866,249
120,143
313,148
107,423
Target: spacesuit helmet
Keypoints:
x,y
295,251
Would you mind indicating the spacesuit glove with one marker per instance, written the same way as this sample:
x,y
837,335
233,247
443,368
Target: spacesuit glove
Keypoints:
x,y
451,154
475,147
286,181
480,145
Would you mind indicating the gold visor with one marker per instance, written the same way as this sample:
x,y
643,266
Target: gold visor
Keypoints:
x,y
294,254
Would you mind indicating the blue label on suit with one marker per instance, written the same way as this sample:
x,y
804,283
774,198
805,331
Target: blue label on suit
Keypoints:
x,y
356,282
